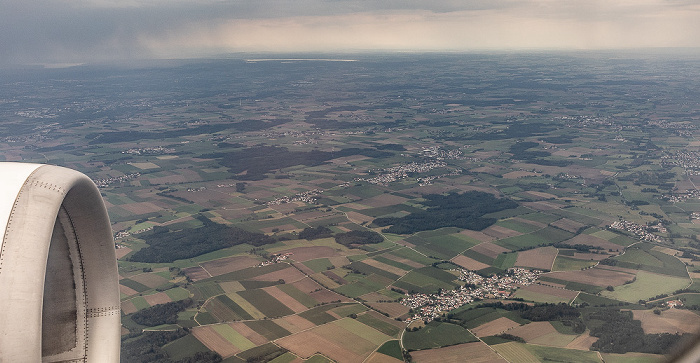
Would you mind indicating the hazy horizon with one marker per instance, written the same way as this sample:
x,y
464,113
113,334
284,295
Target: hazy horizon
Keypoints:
x,y
79,31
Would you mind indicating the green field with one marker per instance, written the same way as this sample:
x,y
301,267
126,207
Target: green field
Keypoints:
x,y
562,263
551,354
268,329
298,295
391,348
645,286
318,265
264,302
378,324
184,347
436,334
234,337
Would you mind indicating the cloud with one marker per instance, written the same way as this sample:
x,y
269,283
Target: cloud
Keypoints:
x,y
98,30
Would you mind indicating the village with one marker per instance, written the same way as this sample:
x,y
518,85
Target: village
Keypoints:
x,y
427,307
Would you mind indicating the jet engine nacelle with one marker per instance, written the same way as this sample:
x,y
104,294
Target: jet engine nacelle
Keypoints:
x,y
59,293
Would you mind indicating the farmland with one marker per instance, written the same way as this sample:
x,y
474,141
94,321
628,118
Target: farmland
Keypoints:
x,y
580,166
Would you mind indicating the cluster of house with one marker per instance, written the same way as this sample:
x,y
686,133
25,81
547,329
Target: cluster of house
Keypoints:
x,y
682,197
640,230
688,160
157,150
401,172
427,307
124,233
441,154
429,179
101,183
306,197
275,259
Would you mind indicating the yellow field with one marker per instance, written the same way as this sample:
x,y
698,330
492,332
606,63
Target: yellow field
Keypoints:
x,y
515,352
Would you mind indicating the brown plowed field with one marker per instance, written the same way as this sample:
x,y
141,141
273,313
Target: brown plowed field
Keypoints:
x,y
326,296
468,263
552,291
582,342
285,299
393,309
568,225
306,344
214,341
196,273
670,321
541,258
385,267
405,261
477,235
307,285
158,298
593,276
588,240
494,327
294,323
476,352
533,330
249,333
489,249
301,254
289,274
229,264
500,232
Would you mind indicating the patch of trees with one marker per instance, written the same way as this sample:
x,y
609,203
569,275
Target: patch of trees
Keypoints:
x,y
254,162
464,210
550,312
358,238
563,139
579,247
161,314
128,136
311,233
520,151
257,125
147,348
620,333
165,245
394,147
512,337
514,131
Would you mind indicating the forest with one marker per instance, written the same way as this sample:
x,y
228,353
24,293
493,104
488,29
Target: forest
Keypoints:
x,y
165,245
464,210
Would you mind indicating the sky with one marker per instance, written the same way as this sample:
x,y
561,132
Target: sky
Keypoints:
x,y
67,31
